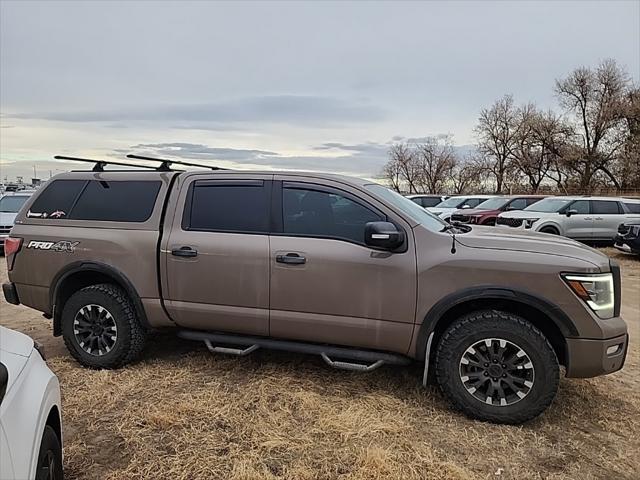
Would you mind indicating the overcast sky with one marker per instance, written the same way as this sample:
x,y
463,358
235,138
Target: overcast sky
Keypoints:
x,y
319,85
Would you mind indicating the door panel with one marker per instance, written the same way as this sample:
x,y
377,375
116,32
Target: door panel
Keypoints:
x,y
225,287
216,255
344,292
607,217
578,225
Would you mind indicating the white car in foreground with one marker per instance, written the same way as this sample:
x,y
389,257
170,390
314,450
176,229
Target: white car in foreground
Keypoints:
x,y
30,419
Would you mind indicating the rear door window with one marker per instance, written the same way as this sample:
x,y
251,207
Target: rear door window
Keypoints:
x,y
605,207
228,206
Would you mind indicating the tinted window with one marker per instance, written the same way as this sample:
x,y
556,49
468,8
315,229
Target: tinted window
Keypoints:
x,y
580,206
633,207
430,201
604,207
12,203
57,197
228,207
518,204
116,201
531,201
324,214
473,202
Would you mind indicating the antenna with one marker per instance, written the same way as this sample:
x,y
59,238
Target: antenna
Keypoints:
x,y
167,163
100,164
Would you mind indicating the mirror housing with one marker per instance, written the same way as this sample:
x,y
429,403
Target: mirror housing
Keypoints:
x,y
570,212
383,235
466,206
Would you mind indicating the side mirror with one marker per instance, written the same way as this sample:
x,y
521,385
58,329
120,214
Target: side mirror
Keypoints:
x,y
466,206
384,235
571,212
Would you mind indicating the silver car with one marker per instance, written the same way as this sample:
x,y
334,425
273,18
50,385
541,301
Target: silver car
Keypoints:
x,y
581,218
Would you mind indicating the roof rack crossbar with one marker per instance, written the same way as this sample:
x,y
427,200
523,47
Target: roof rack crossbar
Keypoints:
x,y
166,163
100,164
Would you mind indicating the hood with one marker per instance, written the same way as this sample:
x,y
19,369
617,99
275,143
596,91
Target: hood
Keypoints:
x,y
7,218
526,241
527,214
15,342
476,211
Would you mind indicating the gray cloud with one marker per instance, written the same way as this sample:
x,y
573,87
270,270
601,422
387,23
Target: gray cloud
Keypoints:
x,y
364,159
305,110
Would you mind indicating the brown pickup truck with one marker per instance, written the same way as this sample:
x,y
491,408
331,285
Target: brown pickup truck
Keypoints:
x,y
316,263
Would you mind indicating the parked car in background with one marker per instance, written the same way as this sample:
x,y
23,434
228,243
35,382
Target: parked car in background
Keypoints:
x,y
30,413
445,209
427,201
487,212
582,218
10,204
628,237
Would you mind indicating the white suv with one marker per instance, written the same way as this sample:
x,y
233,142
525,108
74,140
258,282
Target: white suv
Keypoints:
x,y
581,218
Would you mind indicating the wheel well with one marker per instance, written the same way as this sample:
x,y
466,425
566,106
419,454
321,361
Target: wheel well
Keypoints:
x,y
550,229
537,318
53,420
84,278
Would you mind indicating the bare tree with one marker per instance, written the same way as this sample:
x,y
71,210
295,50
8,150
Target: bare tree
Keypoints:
x,y
468,176
595,99
497,132
540,139
403,156
436,159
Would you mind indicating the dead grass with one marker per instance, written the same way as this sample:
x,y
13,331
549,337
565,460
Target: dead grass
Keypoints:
x,y
185,414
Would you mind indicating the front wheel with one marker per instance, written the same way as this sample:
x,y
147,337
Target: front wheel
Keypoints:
x,y
100,327
49,456
497,367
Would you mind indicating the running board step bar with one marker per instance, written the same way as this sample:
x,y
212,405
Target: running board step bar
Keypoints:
x,y
357,360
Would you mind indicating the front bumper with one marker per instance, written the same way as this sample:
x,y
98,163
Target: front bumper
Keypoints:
x,y
10,293
591,358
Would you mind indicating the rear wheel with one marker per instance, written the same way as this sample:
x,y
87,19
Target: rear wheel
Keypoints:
x,y
49,457
497,367
100,327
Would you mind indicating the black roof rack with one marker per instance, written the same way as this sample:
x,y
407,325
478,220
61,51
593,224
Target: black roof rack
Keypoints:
x,y
100,164
166,164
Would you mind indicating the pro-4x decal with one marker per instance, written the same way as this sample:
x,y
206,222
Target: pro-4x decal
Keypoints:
x,y
61,246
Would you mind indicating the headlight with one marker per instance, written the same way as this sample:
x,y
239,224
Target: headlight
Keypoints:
x,y
596,290
528,223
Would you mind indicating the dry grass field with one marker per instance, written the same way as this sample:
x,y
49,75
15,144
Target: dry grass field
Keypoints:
x,y
182,413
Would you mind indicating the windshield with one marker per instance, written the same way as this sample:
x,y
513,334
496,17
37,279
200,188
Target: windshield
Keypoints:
x,y
453,202
493,204
549,205
11,203
412,209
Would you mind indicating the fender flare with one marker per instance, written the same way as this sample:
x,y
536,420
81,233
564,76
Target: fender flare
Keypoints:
x,y
98,267
437,312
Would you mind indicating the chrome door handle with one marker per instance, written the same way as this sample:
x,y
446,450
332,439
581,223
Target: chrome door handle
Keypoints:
x,y
599,218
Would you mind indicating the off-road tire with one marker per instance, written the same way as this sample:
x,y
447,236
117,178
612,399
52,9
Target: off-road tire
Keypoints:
x,y
49,456
131,336
477,326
